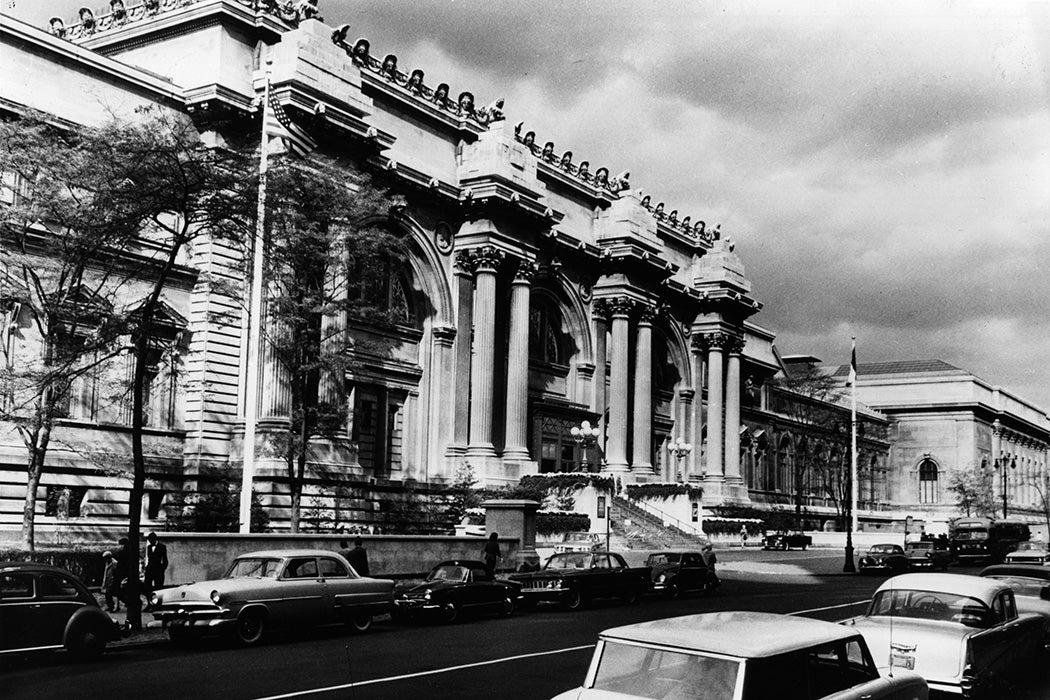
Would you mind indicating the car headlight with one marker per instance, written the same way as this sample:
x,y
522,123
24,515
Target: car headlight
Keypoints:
x,y
154,599
426,594
660,578
215,597
554,583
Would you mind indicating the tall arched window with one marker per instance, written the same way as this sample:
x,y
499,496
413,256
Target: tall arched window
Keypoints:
x,y
784,467
927,481
546,344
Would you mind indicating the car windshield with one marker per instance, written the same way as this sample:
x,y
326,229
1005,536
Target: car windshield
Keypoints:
x,y
884,549
257,567
930,605
643,672
1031,547
1024,585
924,546
575,560
448,573
971,534
665,558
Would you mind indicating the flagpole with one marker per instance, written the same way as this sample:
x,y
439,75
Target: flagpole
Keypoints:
x,y
853,451
255,319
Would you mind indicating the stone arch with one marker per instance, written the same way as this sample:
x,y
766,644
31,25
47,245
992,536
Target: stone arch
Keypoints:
x,y
427,268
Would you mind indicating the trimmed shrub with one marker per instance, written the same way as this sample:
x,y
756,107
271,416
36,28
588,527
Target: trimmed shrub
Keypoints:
x,y
558,523
664,491
85,563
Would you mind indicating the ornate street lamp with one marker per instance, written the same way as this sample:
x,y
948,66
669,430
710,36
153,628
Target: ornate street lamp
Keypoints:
x,y
585,437
1005,462
678,448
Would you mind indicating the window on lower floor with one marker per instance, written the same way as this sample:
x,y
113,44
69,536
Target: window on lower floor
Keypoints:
x,y
927,481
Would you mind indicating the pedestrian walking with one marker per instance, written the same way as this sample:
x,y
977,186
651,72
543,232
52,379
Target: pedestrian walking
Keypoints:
x,y
156,565
358,557
110,585
491,554
743,536
710,559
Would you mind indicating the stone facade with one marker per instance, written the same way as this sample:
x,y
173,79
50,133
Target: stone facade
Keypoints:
x,y
540,291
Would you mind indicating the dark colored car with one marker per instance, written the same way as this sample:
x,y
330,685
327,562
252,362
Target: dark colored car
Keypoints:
x,y
786,540
676,572
887,558
575,578
45,607
927,555
456,587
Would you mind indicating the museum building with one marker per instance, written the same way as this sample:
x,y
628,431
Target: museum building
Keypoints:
x,y
540,291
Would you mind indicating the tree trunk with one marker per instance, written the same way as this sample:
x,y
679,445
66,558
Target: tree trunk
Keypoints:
x,y
295,487
138,481
29,512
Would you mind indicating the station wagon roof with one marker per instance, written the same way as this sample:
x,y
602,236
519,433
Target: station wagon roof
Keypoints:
x,y
983,589
742,634
284,553
1030,570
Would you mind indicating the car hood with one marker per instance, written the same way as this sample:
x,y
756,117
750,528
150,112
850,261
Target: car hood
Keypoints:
x,y
546,573
939,646
201,590
662,568
421,589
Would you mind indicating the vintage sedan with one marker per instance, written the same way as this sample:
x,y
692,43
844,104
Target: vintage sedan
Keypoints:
x,y
456,587
786,540
926,555
883,558
739,656
1030,584
575,578
45,607
963,634
1029,553
676,572
279,588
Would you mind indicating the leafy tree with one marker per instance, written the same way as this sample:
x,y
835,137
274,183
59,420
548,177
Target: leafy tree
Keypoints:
x,y
463,494
973,491
329,256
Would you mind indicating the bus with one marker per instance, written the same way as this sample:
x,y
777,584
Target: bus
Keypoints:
x,y
976,540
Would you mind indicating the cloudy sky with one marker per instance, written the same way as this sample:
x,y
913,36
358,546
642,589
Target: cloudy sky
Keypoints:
x,y
883,167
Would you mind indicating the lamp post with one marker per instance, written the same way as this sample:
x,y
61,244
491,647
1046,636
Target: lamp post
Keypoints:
x,y
678,448
1005,462
585,437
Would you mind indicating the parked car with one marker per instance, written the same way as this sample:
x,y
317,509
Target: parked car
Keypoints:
x,y
454,587
786,540
963,634
676,572
45,607
575,578
739,656
279,588
926,554
1030,584
884,558
1029,553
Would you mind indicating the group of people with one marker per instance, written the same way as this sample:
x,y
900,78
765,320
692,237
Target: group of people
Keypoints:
x,y
118,567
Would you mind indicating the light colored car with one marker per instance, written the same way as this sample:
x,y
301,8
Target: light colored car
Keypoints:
x,y
279,588
1029,553
1031,586
739,656
963,634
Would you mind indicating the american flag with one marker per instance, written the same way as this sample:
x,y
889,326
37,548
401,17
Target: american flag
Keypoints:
x,y
278,123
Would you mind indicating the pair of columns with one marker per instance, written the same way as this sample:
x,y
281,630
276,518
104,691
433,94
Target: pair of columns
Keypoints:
x,y
619,312
723,401
477,269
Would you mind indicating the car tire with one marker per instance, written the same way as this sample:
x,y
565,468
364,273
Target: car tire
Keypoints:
x,y
506,607
450,613
673,591
250,627
180,635
573,600
86,643
804,547
360,622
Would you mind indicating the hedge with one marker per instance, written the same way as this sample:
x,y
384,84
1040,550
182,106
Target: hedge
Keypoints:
x,y
85,563
558,522
664,491
731,526
568,481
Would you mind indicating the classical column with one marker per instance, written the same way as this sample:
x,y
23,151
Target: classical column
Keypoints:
x,y
732,396
683,428
616,458
442,392
482,375
276,394
599,313
642,443
464,271
518,363
696,418
715,440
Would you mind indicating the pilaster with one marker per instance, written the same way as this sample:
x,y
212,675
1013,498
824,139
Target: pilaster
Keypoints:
x,y
518,363
487,260
642,447
616,457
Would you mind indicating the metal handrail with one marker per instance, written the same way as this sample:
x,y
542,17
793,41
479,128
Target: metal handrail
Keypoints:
x,y
661,514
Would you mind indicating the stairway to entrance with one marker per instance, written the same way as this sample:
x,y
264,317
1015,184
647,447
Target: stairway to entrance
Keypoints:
x,y
634,528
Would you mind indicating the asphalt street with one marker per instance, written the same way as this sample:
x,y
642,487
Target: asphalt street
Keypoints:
x,y
529,655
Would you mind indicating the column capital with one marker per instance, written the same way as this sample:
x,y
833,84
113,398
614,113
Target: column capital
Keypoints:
x,y
524,271
488,258
646,313
735,345
619,306
463,263
711,341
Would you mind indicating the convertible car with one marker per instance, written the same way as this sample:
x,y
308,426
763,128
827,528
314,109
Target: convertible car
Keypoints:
x,y
44,607
884,558
739,656
280,588
455,587
963,634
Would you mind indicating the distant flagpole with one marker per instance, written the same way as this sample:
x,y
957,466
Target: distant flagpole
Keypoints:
x,y
853,451
255,321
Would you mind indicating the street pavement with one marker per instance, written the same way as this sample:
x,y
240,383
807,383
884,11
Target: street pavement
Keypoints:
x,y
529,655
